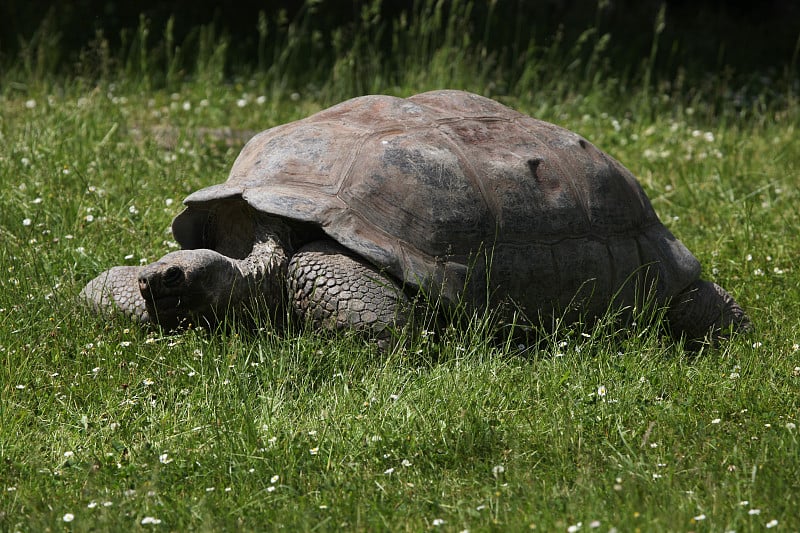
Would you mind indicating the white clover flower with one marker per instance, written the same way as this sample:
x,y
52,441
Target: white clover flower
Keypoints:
x,y
241,102
69,517
497,470
26,222
31,104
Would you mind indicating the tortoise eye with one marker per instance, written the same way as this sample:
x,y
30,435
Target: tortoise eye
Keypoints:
x,y
173,276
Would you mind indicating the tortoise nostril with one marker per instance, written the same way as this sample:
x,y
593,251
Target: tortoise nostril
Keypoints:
x,y
173,276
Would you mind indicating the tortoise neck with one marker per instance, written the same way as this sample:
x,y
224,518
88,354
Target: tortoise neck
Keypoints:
x,y
268,229
265,267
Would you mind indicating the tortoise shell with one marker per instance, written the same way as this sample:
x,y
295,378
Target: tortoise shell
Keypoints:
x,y
458,196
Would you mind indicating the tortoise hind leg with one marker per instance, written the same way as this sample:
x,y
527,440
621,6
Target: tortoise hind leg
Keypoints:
x,y
706,310
335,290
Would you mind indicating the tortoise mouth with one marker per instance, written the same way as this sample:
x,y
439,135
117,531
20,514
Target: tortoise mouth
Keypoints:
x,y
177,311
166,304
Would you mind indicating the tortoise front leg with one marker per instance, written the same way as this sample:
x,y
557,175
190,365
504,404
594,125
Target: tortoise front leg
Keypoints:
x,y
336,290
117,290
705,309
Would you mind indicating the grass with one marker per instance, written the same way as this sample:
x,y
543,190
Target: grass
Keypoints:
x,y
104,426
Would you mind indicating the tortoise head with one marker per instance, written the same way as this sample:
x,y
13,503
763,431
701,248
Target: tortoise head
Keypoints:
x,y
190,285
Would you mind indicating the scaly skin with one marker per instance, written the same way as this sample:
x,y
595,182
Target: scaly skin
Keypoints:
x,y
333,289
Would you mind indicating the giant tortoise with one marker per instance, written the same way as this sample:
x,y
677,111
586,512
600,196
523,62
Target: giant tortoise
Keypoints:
x,y
354,216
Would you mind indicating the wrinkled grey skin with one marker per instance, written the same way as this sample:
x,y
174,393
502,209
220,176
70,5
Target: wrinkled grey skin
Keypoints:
x,y
185,285
324,283
346,217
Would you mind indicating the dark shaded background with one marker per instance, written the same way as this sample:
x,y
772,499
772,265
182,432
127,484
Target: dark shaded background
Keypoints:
x,y
701,35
